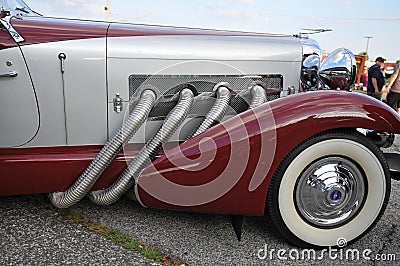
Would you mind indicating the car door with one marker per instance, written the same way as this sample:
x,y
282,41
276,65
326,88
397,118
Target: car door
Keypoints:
x,y
19,112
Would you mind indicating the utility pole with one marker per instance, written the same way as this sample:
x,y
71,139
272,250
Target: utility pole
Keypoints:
x,y
107,9
366,50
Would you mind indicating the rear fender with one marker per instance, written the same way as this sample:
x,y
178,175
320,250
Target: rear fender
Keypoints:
x,y
228,168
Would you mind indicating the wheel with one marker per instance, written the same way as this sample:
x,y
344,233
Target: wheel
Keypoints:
x,y
333,187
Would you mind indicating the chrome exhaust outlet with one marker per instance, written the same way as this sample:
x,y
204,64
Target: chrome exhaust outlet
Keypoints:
x,y
219,109
258,96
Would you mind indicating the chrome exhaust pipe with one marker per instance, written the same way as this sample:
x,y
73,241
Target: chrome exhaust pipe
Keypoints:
x,y
217,112
107,154
125,181
257,96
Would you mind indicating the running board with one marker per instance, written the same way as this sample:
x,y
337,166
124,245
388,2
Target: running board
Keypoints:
x,y
393,160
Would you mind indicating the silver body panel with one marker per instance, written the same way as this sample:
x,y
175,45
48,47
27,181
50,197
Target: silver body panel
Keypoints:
x,y
76,107
81,89
19,114
169,55
196,55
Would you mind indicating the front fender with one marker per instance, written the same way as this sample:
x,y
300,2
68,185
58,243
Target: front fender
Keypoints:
x,y
228,168
304,115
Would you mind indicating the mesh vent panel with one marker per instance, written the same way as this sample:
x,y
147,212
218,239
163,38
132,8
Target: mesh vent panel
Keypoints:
x,y
168,85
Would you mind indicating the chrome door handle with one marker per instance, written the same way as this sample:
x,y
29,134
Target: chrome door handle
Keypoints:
x,y
10,74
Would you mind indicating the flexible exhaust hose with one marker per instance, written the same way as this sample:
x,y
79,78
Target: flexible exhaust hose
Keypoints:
x,y
257,96
222,91
171,123
107,154
218,111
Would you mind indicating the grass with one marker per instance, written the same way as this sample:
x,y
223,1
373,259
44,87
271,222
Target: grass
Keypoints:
x,y
118,238
114,236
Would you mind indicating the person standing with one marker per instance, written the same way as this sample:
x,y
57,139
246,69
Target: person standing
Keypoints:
x,y
364,78
393,97
376,80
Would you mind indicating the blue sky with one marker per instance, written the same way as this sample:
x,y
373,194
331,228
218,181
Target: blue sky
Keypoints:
x,y
350,21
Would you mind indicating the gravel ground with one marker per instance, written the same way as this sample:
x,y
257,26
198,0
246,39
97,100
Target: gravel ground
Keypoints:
x,y
30,235
203,239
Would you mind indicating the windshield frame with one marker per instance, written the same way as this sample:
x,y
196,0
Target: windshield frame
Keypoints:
x,y
17,8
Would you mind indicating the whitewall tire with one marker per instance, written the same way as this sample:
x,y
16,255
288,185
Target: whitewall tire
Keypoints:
x,y
333,186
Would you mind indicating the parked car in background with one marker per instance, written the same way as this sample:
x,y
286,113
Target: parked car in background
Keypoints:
x,y
190,119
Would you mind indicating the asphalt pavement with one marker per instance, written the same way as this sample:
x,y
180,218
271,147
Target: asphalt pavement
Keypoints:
x,y
30,234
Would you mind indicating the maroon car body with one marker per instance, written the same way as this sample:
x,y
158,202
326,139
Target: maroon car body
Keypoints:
x,y
254,151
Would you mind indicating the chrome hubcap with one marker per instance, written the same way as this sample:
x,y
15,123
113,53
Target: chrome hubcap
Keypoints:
x,y
330,191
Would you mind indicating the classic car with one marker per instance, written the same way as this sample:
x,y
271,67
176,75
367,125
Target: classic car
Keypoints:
x,y
237,123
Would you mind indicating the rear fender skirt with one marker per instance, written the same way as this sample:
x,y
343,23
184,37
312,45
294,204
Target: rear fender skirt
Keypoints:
x,y
195,175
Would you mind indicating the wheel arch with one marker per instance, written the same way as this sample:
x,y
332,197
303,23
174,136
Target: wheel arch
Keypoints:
x,y
316,113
